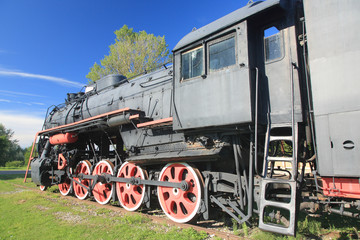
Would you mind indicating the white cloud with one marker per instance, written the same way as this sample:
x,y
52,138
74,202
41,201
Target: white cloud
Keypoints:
x,y
12,93
6,72
24,126
38,103
22,103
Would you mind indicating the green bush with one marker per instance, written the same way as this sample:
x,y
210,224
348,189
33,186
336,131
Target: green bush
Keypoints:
x,y
14,164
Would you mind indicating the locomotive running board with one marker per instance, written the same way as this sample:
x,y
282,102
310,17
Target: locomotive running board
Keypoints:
x,y
156,123
134,114
84,122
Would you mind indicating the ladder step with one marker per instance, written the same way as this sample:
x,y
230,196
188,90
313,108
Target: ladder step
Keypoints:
x,y
290,207
281,138
281,125
278,181
277,204
281,159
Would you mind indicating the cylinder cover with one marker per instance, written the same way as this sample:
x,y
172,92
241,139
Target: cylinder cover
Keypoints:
x,y
63,138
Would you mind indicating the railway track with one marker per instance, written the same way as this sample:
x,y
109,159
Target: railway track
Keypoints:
x,y
212,228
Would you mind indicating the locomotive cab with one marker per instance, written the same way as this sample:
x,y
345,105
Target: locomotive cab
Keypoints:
x,y
212,78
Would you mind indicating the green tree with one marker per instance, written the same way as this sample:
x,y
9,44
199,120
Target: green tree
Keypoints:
x,y
5,143
131,54
9,149
27,154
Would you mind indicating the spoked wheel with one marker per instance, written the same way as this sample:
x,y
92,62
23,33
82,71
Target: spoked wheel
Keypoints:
x,y
84,168
130,196
65,187
181,206
103,191
42,188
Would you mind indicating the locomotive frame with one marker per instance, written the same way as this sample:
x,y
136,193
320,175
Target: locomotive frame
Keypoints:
x,y
241,122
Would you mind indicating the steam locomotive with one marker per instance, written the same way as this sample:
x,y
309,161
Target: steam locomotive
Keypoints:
x,y
258,114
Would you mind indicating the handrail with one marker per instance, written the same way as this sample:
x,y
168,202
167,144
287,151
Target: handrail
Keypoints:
x,y
30,158
256,116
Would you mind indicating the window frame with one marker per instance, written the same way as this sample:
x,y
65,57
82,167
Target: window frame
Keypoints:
x,y
282,47
217,40
181,62
205,45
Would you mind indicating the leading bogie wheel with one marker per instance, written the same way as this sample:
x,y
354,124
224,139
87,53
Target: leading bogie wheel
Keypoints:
x,y
181,206
84,168
42,188
66,187
130,196
103,191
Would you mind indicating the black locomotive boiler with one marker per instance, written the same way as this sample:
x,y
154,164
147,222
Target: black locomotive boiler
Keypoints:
x,y
258,114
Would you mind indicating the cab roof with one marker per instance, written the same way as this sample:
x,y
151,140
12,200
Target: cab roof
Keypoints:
x,y
226,21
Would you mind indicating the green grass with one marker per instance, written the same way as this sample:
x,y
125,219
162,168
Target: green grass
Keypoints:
x,y
325,226
18,179
27,214
13,168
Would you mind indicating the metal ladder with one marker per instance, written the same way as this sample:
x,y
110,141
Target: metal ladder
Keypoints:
x,y
284,200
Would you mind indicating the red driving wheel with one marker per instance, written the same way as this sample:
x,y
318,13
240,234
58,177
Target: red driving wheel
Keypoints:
x,y
103,191
84,168
65,187
130,196
181,206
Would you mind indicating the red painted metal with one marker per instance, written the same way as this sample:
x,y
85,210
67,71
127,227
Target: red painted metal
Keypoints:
x,y
341,187
180,206
62,162
31,158
135,116
130,196
156,122
84,121
103,191
63,138
65,187
42,188
81,192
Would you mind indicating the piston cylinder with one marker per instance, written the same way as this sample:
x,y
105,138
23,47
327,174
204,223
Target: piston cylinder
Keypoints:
x,y
63,138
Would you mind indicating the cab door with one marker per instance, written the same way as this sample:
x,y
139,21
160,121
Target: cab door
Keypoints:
x,y
281,74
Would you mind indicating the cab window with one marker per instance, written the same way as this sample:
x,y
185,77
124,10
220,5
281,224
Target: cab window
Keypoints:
x,y
192,63
273,44
222,53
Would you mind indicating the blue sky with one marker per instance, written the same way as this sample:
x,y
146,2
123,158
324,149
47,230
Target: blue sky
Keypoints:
x,y
48,46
